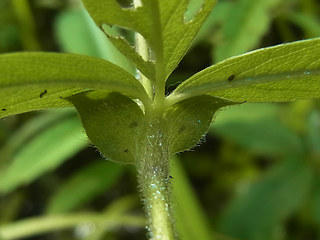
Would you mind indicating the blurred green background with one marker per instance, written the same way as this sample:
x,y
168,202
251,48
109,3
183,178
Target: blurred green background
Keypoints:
x,y
256,175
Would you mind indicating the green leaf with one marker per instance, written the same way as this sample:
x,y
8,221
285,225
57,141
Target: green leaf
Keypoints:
x,y
111,13
257,128
147,68
190,119
28,131
161,23
177,31
73,35
217,18
277,74
113,122
191,220
315,202
313,133
247,22
259,212
32,81
62,141
77,33
309,24
84,185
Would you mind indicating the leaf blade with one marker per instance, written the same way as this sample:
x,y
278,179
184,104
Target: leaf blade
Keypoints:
x,y
77,33
161,23
32,81
266,75
178,34
84,185
245,18
242,125
113,122
257,213
192,224
34,159
136,20
190,119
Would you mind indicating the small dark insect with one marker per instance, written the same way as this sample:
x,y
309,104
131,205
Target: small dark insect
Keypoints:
x,y
43,93
181,129
126,150
231,77
3,109
171,177
133,125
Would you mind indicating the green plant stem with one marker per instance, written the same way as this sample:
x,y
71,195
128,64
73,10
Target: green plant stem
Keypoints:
x,y
160,81
154,183
153,161
38,225
143,49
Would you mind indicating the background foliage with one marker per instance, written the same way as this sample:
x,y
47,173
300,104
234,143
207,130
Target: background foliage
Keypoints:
x,y
256,175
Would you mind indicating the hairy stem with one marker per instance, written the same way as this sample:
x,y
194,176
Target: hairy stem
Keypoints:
x,y
153,160
154,183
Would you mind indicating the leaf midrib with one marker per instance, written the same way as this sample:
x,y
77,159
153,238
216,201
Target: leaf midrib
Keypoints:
x,y
219,85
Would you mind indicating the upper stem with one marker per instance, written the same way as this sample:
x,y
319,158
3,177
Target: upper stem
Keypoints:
x,y
156,87
160,81
143,49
